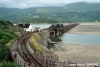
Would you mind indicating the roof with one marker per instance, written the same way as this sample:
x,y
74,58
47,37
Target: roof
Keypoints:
x,y
24,25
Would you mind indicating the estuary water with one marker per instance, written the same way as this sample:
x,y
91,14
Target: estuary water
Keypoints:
x,y
42,26
91,39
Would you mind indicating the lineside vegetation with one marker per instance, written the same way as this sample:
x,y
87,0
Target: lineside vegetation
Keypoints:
x,y
34,43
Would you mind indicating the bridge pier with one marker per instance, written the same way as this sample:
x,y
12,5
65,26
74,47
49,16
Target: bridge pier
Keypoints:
x,y
58,29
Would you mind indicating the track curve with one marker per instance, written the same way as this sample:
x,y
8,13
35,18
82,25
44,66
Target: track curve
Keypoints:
x,y
29,56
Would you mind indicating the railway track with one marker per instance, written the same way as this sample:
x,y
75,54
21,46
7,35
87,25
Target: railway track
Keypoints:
x,y
30,57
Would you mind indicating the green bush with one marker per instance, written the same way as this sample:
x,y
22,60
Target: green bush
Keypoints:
x,y
9,64
3,52
6,36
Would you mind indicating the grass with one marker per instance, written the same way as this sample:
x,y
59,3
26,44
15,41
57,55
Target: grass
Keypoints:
x,y
35,44
37,36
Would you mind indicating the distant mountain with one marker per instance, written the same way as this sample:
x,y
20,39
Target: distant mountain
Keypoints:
x,y
14,10
75,12
82,6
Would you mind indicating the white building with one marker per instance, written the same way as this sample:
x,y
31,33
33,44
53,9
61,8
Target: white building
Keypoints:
x,y
35,16
26,27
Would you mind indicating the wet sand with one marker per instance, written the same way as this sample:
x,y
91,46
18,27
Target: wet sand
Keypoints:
x,y
86,28
78,53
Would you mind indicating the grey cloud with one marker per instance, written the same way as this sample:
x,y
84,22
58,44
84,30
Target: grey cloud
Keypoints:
x,y
36,3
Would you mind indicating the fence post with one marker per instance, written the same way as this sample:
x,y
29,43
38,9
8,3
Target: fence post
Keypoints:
x,y
24,64
43,58
63,64
40,55
46,60
29,64
20,62
47,63
54,64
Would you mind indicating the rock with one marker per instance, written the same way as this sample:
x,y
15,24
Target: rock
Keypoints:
x,y
55,39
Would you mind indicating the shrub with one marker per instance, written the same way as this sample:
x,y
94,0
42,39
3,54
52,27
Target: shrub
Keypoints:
x,y
6,40
9,64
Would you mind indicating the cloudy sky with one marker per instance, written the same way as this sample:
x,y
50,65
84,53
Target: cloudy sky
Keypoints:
x,y
38,3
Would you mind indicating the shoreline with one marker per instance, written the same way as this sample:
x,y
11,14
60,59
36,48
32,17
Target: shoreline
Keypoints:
x,y
78,53
82,44
85,33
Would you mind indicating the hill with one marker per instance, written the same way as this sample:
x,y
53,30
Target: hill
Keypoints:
x,y
7,37
75,12
82,6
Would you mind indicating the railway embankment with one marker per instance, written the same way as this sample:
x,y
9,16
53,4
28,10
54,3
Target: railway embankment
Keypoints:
x,y
40,58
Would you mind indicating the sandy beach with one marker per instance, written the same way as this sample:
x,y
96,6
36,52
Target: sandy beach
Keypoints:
x,y
78,53
86,28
